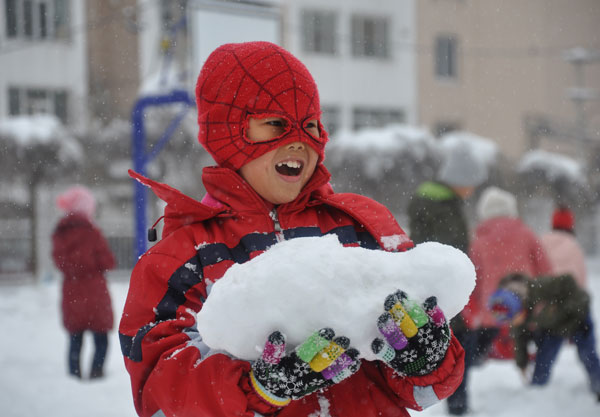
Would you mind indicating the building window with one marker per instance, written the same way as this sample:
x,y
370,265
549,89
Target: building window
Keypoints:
x,y
60,105
11,18
38,100
319,30
43,13
443,127
370,36
37,19
330,118
446,56
14,101
376,117
61,19
28,18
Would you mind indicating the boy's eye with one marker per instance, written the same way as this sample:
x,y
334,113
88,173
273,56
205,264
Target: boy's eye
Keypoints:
x,y
312,127
260,130
276,123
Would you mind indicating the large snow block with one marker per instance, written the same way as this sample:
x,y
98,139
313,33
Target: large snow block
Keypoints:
x,y
304,284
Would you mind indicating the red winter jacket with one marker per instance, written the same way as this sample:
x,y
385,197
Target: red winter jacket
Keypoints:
x,y
82,254
501,245
168,363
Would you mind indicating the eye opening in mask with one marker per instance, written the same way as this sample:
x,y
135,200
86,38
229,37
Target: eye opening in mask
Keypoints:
x,y
265,127
312,126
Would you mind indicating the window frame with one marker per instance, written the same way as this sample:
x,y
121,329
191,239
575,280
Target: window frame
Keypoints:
x,y
363,116
375,44
319,38
446,56
331,116
32,100
38,20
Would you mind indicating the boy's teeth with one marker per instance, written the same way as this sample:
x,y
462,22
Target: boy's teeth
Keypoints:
x,y
291,164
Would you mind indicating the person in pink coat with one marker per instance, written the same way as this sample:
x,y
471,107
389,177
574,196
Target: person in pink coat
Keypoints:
x,y
502,244
82,254
563,249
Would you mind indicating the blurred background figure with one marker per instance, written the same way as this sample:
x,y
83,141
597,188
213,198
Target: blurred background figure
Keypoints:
x,y
502,244
564,251
436,210
436,213
82,254
547,311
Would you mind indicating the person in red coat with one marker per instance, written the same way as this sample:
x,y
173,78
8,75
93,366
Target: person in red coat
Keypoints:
x,y
259,118
502,244
82,254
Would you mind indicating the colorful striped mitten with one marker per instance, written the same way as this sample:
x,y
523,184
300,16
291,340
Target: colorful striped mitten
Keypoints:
x,y
415,337
322,360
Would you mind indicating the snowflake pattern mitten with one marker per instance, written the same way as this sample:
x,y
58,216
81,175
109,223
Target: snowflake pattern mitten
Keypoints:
x,y
415,337
322,360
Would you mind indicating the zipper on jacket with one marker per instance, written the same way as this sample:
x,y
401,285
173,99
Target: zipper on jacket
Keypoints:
x,y
276,225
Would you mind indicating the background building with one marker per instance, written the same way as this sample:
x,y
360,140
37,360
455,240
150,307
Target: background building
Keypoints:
x,y
524,75
43,59
499,69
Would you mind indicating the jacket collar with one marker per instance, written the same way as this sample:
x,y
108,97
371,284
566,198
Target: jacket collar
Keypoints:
x,y
229,188
232,191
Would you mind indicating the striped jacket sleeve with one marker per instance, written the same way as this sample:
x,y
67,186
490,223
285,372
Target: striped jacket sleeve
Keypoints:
x,y
172,372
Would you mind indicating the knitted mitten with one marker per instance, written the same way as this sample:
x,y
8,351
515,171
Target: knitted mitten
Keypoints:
x,y
415,337
322,360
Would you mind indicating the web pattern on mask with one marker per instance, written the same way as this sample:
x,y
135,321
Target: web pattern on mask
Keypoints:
x,y
289,91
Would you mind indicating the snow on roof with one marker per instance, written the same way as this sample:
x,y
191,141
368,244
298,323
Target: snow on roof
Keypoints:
x,y
396,137
416,141
484,148
28,131
553,165
31,129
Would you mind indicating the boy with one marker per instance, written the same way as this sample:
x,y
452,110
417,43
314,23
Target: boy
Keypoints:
x,y
258,112
547,311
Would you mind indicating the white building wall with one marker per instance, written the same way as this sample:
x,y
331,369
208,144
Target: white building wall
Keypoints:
x,y
150,34
47,64
348,81
210,23
345,81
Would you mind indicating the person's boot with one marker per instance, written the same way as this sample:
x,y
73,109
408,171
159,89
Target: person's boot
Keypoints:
x,y
96,373
457,410
74,369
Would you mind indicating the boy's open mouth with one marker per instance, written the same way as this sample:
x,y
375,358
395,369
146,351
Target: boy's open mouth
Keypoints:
x,y
289,168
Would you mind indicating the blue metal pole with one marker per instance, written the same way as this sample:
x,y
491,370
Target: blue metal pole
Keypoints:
x,y
141,158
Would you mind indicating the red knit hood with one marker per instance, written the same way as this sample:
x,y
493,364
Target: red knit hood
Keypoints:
x,y
258,80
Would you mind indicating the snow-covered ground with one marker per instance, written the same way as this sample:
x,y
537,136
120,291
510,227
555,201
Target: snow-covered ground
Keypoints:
x,y
34,381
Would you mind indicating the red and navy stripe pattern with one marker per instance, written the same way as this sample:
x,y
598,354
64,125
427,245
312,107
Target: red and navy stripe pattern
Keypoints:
x,y
190,273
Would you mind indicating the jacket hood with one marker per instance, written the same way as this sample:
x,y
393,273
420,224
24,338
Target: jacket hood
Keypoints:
x,y
436,191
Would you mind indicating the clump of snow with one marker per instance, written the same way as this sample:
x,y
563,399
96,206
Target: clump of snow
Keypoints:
x,y
554,166
304,284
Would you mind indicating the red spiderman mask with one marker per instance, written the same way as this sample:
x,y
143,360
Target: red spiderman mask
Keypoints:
x,y
259,80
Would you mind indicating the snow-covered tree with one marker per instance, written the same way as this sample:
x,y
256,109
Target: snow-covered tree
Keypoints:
x,y
36,149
